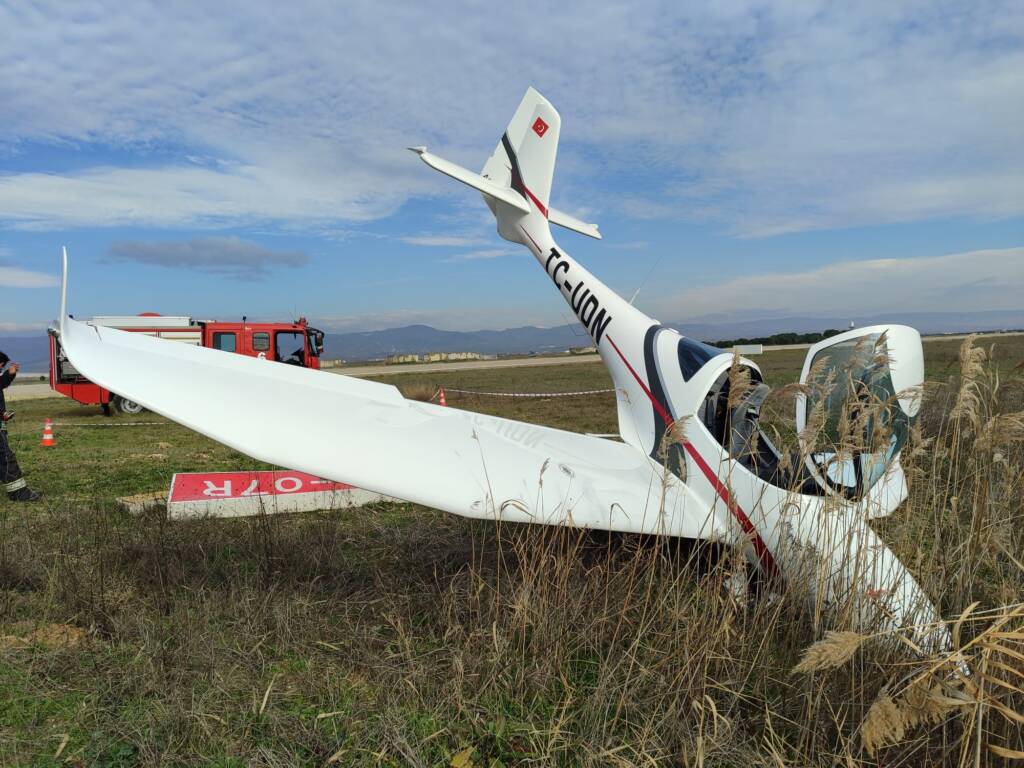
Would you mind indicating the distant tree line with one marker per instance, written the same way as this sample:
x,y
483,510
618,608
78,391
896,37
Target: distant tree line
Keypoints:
x,y
779,338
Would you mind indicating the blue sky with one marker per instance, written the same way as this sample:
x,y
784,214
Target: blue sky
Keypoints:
x,y
216,159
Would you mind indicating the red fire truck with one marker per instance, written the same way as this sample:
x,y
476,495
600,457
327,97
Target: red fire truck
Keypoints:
x,y
291,343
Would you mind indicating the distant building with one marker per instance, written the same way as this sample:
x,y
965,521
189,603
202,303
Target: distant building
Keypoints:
x,y
582,350
444,357
437,357
749,349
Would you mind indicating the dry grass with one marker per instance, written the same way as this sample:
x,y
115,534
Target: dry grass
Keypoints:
x,y
419,391
834,650
407,637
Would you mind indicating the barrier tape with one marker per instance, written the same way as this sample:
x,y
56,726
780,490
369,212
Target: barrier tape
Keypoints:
x,y
116,424
528,394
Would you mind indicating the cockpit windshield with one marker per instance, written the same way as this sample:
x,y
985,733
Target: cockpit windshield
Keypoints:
x,y
693,354
854,424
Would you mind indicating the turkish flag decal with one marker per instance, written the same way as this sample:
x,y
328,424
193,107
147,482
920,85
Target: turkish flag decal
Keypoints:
x,y
540,127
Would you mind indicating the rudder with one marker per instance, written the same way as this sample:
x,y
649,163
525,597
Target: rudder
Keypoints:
x,y
525,157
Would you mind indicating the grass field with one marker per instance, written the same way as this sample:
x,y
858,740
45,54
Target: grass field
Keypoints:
x,y
397,635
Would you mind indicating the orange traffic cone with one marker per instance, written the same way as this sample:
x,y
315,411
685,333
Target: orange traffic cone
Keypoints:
x,y
48,441
441,399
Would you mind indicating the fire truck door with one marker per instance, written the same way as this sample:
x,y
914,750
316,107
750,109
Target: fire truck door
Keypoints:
x,y
290,347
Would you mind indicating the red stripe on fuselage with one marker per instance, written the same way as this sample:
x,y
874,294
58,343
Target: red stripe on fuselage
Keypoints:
x,y
540,206
654,401
523,230
763,554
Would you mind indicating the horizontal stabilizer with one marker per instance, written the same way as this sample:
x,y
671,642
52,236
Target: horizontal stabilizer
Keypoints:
x,y
475,180
504,194
571,222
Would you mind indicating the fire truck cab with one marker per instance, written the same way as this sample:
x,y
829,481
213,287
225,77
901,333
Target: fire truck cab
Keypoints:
x,y
290,343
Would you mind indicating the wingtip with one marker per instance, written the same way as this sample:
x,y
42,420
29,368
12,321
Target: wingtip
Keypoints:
x,y
63,288
418,150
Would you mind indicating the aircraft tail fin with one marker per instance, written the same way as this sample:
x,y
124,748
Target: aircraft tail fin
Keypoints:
x,y
520,170
525,157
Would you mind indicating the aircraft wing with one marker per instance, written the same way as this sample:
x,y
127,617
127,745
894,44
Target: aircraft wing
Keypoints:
x,y
366,434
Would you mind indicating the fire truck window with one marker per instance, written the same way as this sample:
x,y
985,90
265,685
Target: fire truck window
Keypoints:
x,y
261,342
290,347
224,342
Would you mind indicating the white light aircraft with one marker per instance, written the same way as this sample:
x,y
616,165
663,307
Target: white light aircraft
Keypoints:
x,y
692,461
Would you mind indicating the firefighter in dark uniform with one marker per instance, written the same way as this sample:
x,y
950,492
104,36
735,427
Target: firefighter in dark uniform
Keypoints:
x,y
11,479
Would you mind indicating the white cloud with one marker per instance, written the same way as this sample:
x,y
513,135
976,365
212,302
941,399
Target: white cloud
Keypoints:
x,y
763,118
488,253
447,241
175,196
972,281
13,277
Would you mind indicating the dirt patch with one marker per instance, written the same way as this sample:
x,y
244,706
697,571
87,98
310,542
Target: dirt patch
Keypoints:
x,y
50,636
143,502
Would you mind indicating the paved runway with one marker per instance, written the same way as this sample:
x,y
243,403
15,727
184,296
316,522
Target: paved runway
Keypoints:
x,y
514,362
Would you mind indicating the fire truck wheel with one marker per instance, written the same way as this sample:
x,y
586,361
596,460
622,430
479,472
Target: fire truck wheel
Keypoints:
x,y
128,406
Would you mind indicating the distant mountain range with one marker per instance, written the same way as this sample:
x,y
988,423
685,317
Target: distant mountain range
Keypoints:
x,y
417,339
371,345
33,352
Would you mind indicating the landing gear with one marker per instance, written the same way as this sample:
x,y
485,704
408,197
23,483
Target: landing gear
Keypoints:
x,y
127,406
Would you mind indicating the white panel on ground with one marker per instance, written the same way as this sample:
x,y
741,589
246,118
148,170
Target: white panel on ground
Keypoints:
x,y
241,494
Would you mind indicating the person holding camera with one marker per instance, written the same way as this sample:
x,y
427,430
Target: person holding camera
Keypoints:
x,y
11,479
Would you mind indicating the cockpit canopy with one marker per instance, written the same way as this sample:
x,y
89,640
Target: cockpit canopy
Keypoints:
x,y
862,391
860,395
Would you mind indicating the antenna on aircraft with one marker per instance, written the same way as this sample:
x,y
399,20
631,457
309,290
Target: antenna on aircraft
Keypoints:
x,y
647,277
